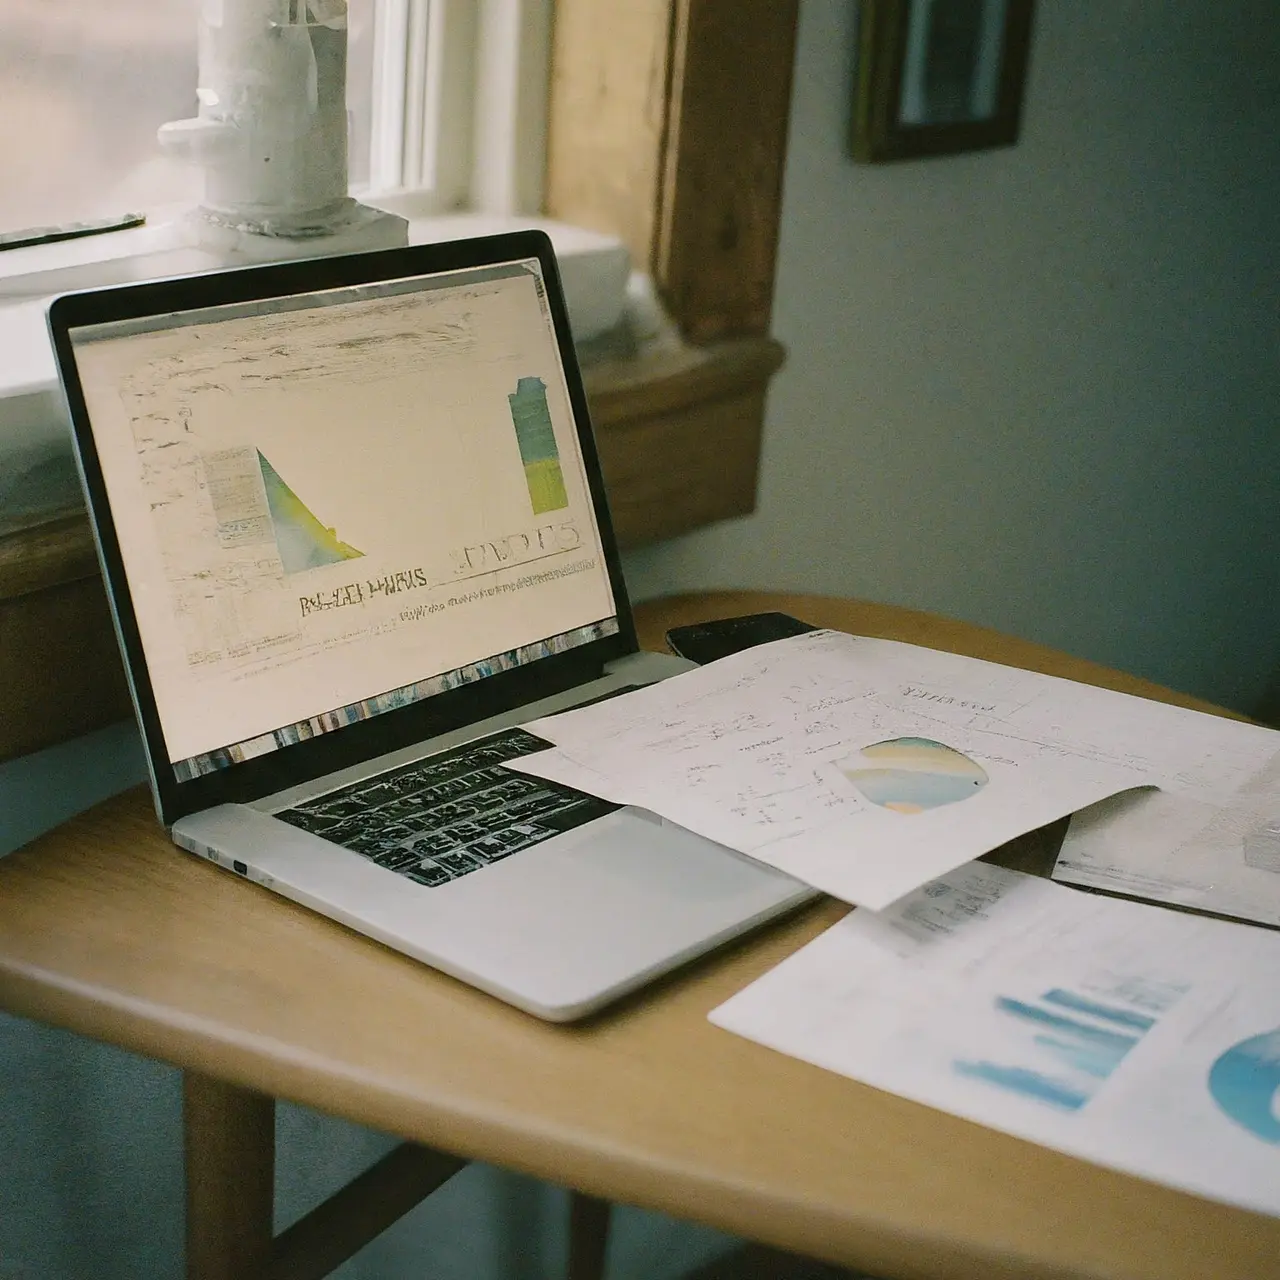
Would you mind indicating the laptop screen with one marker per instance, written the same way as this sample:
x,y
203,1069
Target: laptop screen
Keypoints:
x,y
335,504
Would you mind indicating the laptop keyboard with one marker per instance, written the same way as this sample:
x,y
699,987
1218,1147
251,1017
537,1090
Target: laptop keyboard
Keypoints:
x,y
450,814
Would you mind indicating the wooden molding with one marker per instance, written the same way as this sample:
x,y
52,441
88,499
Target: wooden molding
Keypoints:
x,y
606,117
62,675
679,436
46,555
635,387
725,145
676,471
668,127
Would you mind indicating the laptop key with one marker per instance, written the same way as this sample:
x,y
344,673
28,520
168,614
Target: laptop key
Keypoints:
x,y
448,814
397,831
429,874
489,850
431,846
344,807
397,859
584,809
377,793
458,862
346,831
407,807
315,823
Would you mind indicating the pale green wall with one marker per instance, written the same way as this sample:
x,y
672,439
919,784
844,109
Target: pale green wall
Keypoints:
x,y
1037,388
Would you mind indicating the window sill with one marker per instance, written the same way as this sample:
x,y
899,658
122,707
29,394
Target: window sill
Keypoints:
x,y
595,266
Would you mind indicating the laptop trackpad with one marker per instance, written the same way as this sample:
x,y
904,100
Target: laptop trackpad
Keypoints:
x,y
658,857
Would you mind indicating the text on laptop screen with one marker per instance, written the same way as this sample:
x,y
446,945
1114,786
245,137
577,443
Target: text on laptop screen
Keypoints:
x,y
333,505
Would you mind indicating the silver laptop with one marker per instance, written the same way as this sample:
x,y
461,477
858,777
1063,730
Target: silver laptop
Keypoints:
x,y
353,531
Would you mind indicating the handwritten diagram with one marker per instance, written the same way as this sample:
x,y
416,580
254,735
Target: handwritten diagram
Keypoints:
x,y
807,752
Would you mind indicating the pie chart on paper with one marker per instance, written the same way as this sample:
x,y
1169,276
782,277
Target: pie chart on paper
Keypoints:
x,y
910,775
1245,1083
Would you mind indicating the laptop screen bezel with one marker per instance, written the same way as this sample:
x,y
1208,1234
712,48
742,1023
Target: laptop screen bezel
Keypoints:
x,y
365,739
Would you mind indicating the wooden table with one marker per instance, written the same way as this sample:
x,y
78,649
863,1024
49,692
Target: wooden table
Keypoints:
x,y
107,929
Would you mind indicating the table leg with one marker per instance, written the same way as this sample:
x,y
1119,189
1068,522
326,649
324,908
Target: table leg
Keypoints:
x,y
230,1170
230,1166
588,1236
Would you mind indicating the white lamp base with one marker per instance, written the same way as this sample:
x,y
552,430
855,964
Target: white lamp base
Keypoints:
x,y
356,228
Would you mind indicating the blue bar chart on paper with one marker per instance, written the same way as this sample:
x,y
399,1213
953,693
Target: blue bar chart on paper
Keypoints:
x,y
1059,1046
1143,1040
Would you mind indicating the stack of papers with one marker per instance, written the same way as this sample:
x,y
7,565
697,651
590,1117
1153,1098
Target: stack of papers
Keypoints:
x,y
868,767
1140,1039
1137,1038
862,767
1209,838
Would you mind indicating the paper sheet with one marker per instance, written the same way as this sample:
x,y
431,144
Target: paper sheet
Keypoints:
x,y
862,767
1141,1039
1209,838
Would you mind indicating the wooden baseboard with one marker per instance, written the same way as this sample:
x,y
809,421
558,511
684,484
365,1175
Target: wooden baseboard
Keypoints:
x,y
62,675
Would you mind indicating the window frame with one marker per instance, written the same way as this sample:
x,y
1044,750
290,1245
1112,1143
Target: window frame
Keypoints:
x,y
668,126
495,164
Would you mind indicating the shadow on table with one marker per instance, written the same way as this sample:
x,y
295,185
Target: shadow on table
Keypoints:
x,y
756,1262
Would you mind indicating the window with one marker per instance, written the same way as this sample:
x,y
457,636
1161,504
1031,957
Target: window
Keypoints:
x,y
458,109
420,93
87,84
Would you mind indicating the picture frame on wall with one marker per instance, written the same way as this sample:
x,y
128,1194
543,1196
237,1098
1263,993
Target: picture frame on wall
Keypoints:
x,y
936,77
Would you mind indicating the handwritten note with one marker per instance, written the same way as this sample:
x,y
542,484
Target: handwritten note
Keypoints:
x,y
862,767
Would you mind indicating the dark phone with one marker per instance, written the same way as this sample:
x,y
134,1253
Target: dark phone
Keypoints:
x,y
706,641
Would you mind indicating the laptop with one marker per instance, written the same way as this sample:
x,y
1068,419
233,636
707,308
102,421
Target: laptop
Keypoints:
x,y
354,535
